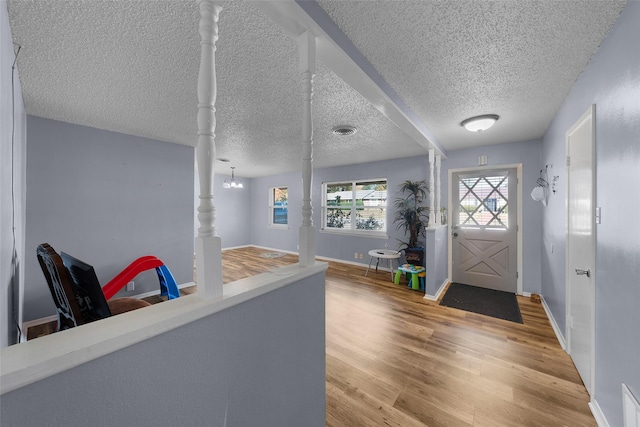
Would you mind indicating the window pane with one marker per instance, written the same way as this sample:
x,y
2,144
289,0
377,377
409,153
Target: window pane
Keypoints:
x,y
280,209
356,205
338,218
340,194
371,193
280,194
484,201
371,219
280,216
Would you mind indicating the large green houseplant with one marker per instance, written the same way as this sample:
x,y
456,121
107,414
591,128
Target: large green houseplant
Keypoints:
x,y
412,217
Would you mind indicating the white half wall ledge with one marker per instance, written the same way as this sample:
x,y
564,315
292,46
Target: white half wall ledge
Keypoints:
x,y
32,361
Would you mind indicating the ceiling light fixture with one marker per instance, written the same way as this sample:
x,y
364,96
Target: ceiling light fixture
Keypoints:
x,y
479,123
344,130
233,183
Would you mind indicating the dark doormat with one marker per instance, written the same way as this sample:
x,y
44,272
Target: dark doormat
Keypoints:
x,y
499,304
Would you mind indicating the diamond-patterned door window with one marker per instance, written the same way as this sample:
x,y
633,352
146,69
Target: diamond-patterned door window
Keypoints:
x,y
484,201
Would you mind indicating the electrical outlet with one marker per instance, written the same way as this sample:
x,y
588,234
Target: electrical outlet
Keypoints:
x,y
130,286
361,256
355,255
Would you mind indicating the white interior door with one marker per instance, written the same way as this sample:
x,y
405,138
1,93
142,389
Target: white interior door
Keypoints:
x,y
581,246
484,229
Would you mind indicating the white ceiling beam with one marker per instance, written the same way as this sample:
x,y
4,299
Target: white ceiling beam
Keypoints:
x,y
339,54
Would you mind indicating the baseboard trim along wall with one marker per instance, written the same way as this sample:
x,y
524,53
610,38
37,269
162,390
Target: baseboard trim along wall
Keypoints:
x,y
436,297
554,324
318,257
266,248
601,420
235,247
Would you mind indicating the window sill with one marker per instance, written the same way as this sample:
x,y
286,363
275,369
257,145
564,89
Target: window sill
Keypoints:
x,y
279,227
354,233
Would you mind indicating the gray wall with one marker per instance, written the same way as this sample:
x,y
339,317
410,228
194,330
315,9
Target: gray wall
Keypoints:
x,y
106,198
437,261
260,363
611,81
261,233
330,245
13,126
396,171
528,153
233,211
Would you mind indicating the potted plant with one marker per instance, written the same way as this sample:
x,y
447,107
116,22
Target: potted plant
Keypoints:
x,y
412,217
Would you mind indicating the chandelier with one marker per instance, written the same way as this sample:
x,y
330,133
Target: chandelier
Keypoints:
x,y
232,183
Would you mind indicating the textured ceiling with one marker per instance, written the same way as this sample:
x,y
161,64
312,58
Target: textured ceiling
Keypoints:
x,y
450,60
131,67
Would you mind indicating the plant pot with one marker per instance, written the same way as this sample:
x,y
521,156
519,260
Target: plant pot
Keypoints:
x,y
414,256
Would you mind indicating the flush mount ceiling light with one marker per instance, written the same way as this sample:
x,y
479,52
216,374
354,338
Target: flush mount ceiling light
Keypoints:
x,y
233,183
479,123
344,130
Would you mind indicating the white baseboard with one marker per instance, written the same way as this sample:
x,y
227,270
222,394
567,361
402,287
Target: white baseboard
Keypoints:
x,y
236,247
554,324
601,420
319,257
526,294
266,248
359,264
436,297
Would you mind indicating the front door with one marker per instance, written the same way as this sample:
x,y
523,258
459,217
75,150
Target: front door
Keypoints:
x,y
484,229
581,246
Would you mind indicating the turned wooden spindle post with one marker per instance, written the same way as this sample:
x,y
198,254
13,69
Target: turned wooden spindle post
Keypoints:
x,y
307,44
208,246
438,188
432,215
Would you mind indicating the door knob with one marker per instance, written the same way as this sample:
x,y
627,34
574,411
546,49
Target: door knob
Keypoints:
x,y
455,234
581,272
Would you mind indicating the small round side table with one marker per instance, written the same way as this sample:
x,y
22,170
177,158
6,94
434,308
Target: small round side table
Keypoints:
x,y
387,254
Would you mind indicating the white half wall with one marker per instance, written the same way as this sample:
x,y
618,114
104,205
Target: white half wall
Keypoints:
x,y
259,362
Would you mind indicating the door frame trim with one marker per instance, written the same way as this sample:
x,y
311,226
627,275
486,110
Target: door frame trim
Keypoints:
x,y
590,112
518,167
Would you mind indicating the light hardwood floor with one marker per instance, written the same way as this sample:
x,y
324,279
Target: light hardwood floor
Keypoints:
x,y
396,359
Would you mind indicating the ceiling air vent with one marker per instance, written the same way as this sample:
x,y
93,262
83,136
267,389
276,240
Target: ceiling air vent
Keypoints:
x,y
344,130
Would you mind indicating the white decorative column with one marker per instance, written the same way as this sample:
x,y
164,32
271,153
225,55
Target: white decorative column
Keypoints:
x,y
208,245
432,216
438,188
307,45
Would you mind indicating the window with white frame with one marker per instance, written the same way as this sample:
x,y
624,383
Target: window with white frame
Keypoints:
x,y
278,210
358,207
